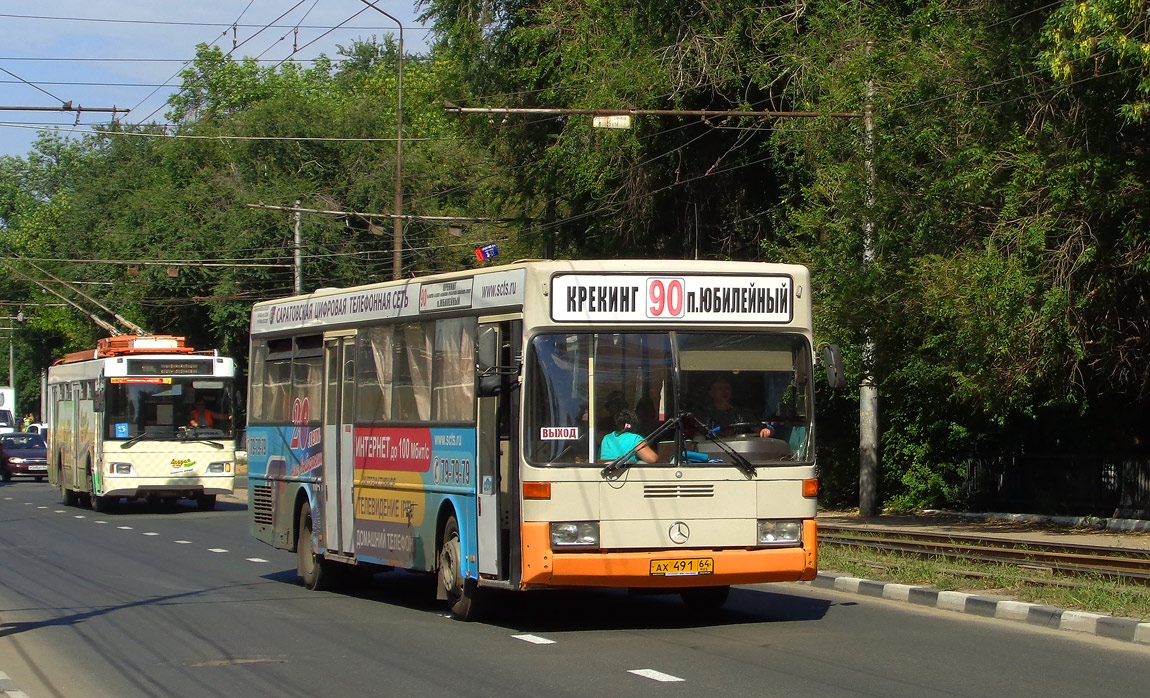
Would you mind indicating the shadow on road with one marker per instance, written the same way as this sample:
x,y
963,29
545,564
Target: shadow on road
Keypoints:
x,y
584,609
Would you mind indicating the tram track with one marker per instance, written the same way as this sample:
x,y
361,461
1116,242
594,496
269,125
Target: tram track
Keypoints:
x,y
1064,560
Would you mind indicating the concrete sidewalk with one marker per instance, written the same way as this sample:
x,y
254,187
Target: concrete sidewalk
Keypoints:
x,y
1117,533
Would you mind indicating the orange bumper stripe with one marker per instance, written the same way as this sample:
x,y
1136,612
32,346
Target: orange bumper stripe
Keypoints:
x,y
543,567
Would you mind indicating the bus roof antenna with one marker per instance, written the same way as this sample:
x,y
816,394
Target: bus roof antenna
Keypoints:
x,y
123,321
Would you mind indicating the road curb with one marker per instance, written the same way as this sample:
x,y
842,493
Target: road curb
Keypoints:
x,y
1124,629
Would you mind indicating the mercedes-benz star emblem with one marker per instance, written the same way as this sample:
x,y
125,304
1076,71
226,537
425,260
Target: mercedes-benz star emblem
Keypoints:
x,y
679,532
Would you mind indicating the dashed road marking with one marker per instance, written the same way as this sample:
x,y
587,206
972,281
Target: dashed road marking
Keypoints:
x,y
41,507
151,533
124,528
217,550
655,675
79,516
183,542
103,522
256,559
534,639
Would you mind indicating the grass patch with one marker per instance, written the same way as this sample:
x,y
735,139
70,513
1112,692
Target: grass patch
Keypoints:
x,y
1094,594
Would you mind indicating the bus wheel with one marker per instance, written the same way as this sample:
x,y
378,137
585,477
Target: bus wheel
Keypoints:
x,y
67,496
315,572
460,593
206,502
705,599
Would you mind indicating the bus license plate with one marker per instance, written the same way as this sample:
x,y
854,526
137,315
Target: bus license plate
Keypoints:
x,y
683,566
37,467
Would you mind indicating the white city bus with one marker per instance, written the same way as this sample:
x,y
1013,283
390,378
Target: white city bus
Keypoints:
x,y
121,425
453,424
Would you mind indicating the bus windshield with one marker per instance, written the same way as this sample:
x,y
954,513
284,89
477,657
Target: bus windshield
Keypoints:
x,y
751,392
178,407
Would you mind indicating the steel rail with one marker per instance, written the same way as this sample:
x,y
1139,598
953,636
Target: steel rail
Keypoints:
x,y
1127,563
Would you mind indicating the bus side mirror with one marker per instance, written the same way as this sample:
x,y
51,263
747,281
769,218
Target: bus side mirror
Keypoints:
x,y
833,360
486,362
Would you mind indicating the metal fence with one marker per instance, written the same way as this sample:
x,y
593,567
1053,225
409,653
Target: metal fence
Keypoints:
x,y
1072,485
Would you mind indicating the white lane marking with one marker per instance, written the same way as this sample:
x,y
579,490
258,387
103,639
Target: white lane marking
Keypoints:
x,y
217,550
183,542
103,522
79,516
655,675
151,533
27,504
41,507
7,499
256,559
534,639
124,528
60,511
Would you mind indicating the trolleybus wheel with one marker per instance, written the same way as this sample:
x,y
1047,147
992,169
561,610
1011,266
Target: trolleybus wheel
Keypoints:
x,y
705,599
315,572
206,502
460,592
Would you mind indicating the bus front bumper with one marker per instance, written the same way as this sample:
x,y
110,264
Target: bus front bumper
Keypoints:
x,y
655,568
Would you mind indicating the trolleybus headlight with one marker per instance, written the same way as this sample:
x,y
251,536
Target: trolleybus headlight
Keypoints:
x,y
16,459
780,532
120,468
575,534
220,467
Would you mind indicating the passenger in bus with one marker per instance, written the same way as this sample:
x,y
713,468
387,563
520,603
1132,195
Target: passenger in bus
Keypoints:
x,y
722,412
623,439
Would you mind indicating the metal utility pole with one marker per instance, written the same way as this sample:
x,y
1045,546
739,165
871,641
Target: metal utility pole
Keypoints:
x,y
298,266
868,391
397,232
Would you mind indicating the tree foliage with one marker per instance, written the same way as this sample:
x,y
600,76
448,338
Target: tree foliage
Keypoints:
x,y
997,266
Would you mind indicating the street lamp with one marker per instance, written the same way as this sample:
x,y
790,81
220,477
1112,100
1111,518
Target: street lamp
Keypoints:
x,y
397,230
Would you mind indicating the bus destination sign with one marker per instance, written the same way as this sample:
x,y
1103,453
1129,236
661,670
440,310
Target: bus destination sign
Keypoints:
x,y
169,367
688,298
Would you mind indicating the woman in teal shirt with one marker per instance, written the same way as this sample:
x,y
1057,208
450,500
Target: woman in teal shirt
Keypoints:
x,y
622,440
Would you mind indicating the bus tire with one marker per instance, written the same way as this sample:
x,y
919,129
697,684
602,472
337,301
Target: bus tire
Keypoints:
x,y
314,571
461,593
705,599
206,502
67,496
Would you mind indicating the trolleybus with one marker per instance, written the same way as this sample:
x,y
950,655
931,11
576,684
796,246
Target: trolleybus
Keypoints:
x,y
453,424
123,422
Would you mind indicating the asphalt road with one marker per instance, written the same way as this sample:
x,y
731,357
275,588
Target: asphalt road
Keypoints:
x,y
184,603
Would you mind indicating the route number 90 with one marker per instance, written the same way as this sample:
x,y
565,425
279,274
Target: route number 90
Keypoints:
x,y
665,298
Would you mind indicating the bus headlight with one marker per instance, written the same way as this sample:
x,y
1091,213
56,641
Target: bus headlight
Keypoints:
x,y
220,467
780,532
574,534
120,468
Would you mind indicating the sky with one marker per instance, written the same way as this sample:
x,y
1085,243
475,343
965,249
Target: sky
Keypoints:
x,y
128,53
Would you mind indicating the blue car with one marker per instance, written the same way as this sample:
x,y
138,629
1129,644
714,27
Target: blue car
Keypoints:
x,y
23,454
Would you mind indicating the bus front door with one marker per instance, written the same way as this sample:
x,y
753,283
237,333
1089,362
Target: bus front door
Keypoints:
x,y
496,477
338,453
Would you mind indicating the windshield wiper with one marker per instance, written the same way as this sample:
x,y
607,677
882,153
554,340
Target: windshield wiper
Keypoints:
x,y
134,440
620,464
737,458
193,434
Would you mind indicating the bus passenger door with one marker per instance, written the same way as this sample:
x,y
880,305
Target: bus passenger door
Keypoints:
x,y
495,458
338,453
